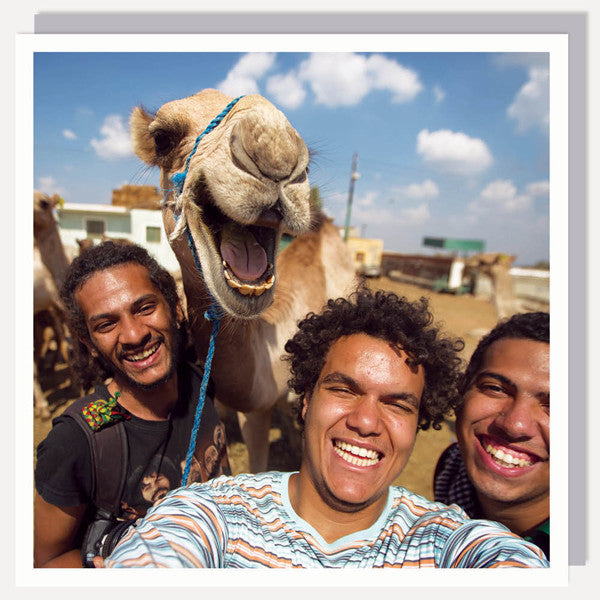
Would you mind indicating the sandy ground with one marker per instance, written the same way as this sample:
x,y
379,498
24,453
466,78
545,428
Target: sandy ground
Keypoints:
x,y
463,316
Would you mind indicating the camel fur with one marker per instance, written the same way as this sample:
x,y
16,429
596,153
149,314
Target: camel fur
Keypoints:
x,y
246,185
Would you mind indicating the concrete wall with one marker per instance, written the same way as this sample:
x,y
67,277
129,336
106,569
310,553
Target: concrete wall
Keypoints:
x,y
120,222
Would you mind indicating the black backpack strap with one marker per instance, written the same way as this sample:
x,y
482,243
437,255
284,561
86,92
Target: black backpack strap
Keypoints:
x,y
108,450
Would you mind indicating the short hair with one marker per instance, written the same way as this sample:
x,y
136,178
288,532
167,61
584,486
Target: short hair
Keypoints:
x,y
92,260
523,326
394,319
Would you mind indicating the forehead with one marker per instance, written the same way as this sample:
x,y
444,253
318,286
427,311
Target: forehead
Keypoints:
x,y
371,360
113,287
519,358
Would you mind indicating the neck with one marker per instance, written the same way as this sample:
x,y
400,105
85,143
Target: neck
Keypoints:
x,y
151,405
519,518
53,254
331,523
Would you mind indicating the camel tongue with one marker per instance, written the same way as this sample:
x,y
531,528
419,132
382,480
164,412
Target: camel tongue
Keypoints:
x,y
244,255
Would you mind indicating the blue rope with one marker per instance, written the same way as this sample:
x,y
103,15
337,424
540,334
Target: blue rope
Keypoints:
x,y
214,313
178,179
205,377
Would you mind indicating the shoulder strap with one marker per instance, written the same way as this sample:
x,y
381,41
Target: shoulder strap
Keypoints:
x,y
108,449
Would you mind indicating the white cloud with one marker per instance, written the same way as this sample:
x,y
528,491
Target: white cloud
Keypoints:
x,y
286,90
415,215
427,189
242,79
538,188
68,134
387,74
453,151
531,106
115,141
345,78
438,93
49,185
367,199
501,196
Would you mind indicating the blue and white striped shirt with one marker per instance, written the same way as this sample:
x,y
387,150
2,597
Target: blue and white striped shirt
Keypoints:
x,y
248,521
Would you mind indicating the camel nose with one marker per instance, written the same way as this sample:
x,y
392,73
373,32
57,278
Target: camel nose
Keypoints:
x,y
268,146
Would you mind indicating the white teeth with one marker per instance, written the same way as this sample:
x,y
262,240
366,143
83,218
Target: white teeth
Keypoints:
x,y
143,355
356,455
247,289
506,459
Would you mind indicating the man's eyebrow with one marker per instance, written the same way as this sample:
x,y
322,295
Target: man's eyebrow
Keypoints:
x,y
136,304
407,397
337,377
498,376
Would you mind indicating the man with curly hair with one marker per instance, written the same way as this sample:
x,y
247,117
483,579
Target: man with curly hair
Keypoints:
x,y
129,336
500,467
370,371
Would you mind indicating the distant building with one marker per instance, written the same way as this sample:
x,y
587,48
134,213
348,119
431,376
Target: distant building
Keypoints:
x,y
93,221
366,254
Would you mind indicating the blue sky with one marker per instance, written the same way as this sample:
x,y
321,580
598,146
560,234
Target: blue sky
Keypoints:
x,y
450,144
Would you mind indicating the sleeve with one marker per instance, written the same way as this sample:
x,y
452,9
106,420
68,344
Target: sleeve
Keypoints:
x,y
480,544
185,529
63,470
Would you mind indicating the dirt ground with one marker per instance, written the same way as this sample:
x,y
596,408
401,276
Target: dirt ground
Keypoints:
x,y
463,316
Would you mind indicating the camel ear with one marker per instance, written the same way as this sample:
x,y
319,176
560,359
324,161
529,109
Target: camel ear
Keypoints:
x,y
142,141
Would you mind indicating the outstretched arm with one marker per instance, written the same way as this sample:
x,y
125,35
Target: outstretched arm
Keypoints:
x,y
55,533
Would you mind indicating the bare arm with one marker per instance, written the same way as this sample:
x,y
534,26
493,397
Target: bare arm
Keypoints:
x,y
55,532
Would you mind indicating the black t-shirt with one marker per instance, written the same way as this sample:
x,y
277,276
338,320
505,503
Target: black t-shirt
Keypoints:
x,y
157,452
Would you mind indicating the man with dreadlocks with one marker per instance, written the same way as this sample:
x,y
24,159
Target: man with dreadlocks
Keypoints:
x,y
370,371
111,454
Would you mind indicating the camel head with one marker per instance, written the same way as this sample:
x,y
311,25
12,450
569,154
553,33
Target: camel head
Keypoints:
x,y
43,215
246,183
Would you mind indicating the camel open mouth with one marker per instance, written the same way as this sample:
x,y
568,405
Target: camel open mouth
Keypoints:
x,y
247,252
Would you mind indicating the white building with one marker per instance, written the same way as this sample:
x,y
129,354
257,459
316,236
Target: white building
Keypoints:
x,y
141,226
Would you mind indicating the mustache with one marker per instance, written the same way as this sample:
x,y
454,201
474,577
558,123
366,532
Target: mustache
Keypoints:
x,y
146,341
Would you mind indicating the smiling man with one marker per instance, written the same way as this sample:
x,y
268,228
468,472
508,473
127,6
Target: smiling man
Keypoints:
x,y
369,371
500,467
113,453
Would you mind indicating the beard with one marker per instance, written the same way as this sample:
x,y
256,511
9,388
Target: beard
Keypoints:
x,y
116,372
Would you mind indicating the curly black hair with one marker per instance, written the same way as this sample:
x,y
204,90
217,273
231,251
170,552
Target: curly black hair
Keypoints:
x,y
526,326
394,319
108,254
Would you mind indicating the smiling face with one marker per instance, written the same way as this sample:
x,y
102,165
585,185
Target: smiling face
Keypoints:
x,y
130,325
503,426
360,424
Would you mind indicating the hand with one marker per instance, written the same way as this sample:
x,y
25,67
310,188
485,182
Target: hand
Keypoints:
x,y
98,562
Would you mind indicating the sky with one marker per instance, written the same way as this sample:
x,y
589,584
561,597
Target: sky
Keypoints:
x,y
451,144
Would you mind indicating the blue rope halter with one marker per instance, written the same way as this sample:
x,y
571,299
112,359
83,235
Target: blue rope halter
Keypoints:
x,y
214,313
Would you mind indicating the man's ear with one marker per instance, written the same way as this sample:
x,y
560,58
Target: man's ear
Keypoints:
x,y
305,401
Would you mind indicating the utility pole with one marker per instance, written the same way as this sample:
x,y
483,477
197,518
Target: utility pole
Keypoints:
x,y
354,175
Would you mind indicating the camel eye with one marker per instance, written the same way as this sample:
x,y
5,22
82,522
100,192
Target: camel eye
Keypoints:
x,y
44,204
163,143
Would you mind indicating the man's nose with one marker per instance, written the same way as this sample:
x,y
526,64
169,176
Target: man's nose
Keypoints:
x,y
365,416
517,418
134,332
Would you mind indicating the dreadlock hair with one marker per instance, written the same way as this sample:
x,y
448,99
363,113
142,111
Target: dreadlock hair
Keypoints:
x,y
394,319
524,326
108,254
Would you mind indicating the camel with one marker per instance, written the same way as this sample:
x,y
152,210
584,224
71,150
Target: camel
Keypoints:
x,y
497,267
50,265
246,184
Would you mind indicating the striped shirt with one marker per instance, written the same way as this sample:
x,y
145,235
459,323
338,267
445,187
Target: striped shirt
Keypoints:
x,y
248,521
